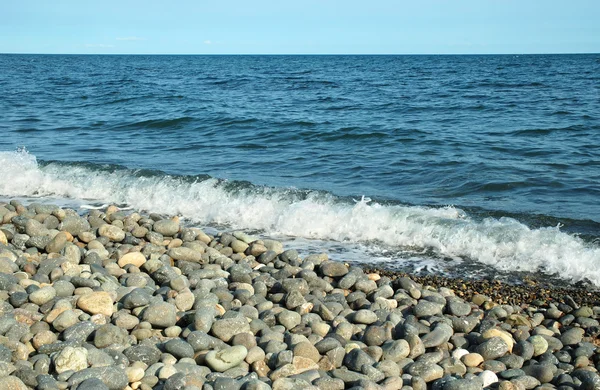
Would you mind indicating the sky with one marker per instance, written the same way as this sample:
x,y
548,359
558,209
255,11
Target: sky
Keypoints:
x,y
299,27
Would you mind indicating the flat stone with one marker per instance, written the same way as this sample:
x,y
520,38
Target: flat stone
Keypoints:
x,y
35,228
98,302
327,383
161,315
179,348
166,227
427,309
225,329
109,334
462,384
226,358
589,380
70,358
375,335
488,378
185,254
428,371
572,336
74,225
143,353
114,377
364,317
333,269
295,285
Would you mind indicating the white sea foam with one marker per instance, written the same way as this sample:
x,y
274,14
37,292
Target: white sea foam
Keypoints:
x,y
503,243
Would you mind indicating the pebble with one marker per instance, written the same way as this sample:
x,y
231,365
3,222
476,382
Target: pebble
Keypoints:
x,y
493,348
113,377
162,315
12,383
539,343
99,302
113,233
70,358
225,329
179,348
226,358
364,316
145,303
472,359
333,269
166,227
42,296
427,309
134,258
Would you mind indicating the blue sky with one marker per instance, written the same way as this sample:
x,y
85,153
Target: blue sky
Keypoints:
x,y
297,27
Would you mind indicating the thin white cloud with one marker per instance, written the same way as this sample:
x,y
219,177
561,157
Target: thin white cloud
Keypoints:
x,y
104,45
207,42
130,39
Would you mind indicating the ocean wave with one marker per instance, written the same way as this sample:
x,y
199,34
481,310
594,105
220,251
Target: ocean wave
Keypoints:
x,y
503,243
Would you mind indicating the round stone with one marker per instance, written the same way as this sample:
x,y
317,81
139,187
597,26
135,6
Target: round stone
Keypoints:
x,y
541,372
488,377
135,258
472,359
113,233
134,374
166,227
364,317
572,336
143,353
428,371
540,345
289,319
307,350
43,295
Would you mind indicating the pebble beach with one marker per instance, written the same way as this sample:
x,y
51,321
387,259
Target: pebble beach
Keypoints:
x,y
120,299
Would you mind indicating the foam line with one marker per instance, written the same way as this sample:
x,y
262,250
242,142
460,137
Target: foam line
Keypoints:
x,y
503,243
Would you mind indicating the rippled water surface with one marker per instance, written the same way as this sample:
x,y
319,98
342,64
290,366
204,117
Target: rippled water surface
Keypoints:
x,y
490,161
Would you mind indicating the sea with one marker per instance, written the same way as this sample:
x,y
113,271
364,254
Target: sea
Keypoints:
x,y
471,166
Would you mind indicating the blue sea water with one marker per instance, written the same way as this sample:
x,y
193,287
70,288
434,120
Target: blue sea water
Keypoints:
x,y
461,165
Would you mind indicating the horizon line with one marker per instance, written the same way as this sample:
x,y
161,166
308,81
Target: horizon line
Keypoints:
x,y
297,54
